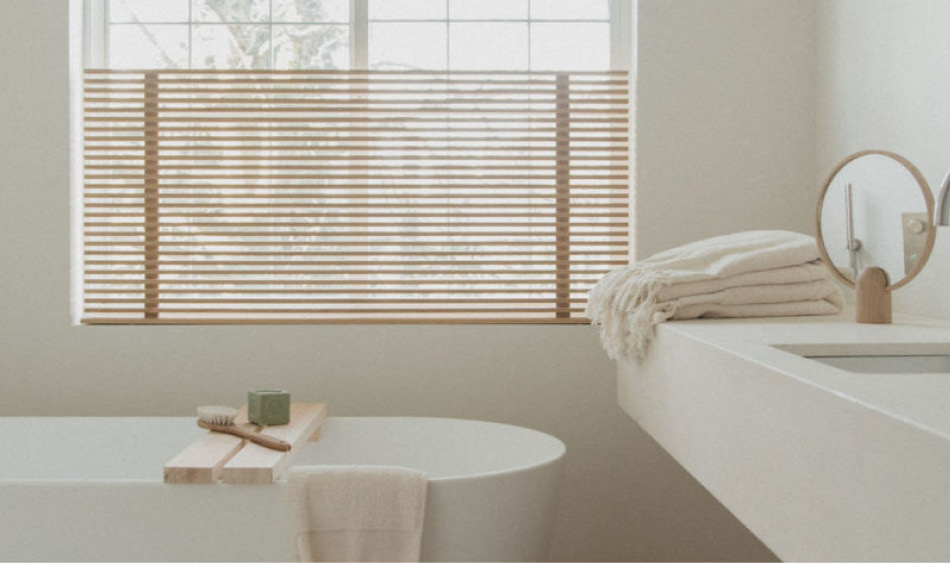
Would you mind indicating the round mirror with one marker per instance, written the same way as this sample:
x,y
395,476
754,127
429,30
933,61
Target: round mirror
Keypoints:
x,y
875,211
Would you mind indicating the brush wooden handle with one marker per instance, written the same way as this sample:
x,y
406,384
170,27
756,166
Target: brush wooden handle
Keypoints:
x,y
266,441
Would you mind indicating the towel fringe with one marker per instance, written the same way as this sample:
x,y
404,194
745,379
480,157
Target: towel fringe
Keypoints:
x,y
623,306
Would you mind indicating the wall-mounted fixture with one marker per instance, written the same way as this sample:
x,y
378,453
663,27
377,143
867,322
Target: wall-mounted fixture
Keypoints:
x,y
942,216
852,244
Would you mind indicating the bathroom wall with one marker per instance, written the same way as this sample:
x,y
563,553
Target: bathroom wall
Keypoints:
x,y
723,144
725,118
883,82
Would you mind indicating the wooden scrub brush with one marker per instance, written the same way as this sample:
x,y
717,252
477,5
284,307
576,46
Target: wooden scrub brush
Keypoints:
x,y
221,419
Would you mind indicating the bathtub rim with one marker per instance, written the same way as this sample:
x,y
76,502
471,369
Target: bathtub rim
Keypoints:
x,y
559,451
554,460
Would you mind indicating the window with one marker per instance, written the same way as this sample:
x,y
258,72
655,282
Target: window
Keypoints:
x,y
356,34
351,161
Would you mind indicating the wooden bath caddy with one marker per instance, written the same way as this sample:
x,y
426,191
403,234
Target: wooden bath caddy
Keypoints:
x,y
221,457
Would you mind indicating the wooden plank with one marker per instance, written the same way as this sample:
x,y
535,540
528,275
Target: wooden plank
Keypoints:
x,y
336,311
526,254
427,319
280,235
352,72
345,301
424,156
151,192
357,282
202,461
563,182
256,465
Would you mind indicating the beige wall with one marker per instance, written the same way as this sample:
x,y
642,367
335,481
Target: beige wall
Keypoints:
x,y
726,122
883,83
724,144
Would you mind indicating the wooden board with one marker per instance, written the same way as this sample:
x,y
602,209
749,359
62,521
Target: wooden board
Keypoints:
x,y
207,459
202,461
257,465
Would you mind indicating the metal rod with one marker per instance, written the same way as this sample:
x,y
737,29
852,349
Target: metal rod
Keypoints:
x,y
852,244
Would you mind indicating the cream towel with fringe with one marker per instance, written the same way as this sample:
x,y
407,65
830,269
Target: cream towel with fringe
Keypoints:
x,y
357,513
747,274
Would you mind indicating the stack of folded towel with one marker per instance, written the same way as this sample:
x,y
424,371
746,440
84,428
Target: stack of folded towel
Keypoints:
x,y
747,274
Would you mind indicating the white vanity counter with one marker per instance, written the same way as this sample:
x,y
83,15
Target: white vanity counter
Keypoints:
x,y
820,463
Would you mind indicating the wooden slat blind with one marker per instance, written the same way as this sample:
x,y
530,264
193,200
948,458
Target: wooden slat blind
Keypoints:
x,y
351,196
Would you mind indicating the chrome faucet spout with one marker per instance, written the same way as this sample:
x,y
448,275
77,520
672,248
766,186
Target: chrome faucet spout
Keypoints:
x,y
942,212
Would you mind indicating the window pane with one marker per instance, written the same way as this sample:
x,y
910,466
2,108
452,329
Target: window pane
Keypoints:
x,y
230,46
148,11
488,9
311,46
312,11
570,46
148,46
407,9
407,46
488,46
231,10
569,10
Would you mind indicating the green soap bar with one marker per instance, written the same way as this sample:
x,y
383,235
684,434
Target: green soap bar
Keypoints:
x,y
268,407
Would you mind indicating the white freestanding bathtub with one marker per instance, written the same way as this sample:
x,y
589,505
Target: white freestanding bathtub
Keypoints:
x,y
90,489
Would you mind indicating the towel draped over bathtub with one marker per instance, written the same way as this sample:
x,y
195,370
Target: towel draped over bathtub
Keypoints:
x,y
357,513
747,274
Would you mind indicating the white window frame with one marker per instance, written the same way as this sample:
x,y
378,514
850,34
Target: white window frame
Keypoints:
x,y
96,40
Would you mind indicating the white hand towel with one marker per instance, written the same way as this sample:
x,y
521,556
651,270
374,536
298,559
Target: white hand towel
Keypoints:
x,y
747,274
359,513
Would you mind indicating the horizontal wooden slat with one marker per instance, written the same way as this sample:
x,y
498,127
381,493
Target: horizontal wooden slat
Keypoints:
x,y
394,187
92,196
428,318
376,177
354,282
359,310
353,79
375,263
377,143
273,162
525,254
446,119
374,167
345,72
377,130
373,243
122,92
226,214
368,206
346,301
316,106
190,228
331,291
422,269
487,229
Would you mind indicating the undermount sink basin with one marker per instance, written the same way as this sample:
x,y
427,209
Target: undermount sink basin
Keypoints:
x,y
888,364
879,358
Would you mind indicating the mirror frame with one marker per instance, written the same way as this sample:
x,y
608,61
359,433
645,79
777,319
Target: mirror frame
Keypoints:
x,y
928,199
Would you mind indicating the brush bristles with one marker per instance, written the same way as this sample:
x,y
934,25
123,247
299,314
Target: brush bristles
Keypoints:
x,y
217,414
